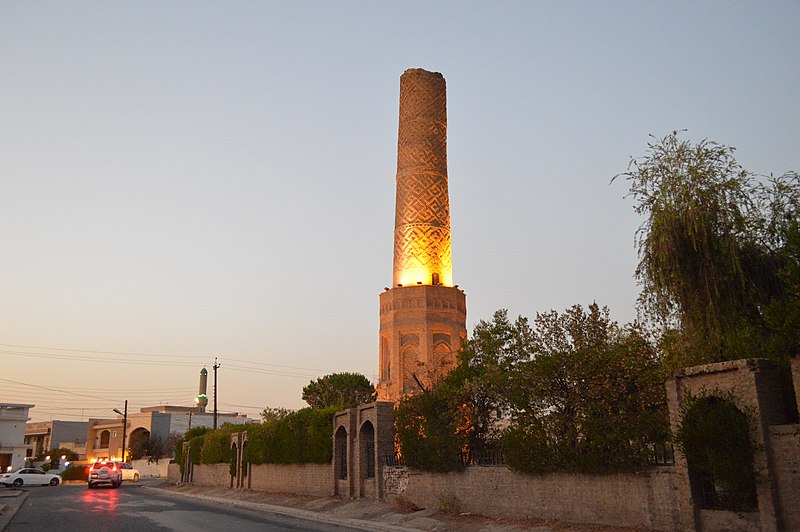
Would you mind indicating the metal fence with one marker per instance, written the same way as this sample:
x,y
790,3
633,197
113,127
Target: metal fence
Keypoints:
x,y
662,454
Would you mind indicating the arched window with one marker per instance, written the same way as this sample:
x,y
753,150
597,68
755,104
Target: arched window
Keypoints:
x,y
340,456
366,441
104,437
411,367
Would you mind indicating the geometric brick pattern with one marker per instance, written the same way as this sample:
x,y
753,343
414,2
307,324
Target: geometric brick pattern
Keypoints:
x,y
423,316
422,209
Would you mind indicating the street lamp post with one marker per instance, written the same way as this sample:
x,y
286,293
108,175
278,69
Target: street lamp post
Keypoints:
x,y
124,426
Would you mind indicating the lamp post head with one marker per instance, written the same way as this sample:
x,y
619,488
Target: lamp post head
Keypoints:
x,y
118,412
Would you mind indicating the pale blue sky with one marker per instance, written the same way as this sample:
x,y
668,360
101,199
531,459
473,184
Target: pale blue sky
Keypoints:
x,y
191,179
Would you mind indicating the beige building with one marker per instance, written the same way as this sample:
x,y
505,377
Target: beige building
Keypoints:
x,y
104,436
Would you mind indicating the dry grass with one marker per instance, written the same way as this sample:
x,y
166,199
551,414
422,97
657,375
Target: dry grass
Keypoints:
x,y
404,505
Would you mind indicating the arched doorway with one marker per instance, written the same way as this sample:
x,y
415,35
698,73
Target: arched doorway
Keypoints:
x,y
714,435
139,445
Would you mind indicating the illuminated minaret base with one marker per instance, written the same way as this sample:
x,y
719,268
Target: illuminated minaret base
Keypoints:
x,y
423,315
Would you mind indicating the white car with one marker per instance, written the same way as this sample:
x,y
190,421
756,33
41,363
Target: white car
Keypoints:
x,y
129,472
29,476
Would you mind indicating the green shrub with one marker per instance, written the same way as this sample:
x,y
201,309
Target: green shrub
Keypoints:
x,y
300,437
195,449
188,436
216,446
426,430
80,472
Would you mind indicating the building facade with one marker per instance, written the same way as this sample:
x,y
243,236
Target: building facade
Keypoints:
x,y
13,417
45,436
104,436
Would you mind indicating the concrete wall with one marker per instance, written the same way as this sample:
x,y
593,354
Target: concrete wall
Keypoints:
x,y
157,470
68,432
174,473
644,500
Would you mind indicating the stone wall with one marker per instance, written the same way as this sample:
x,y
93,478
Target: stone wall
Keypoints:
x,y
754,386
644,500
305,479
785,444
212,475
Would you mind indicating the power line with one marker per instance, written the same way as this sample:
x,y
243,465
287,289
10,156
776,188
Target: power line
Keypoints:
x,y
56,390
129,353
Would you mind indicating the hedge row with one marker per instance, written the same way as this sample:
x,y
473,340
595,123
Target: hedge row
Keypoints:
x,y
300,437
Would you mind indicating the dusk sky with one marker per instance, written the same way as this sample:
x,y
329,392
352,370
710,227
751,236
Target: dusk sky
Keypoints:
x,y
189,180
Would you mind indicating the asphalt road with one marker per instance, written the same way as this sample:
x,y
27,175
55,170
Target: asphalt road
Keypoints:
x,y
133,509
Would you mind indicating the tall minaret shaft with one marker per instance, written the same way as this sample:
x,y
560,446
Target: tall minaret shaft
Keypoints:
x,y
423,315
202,398
422,210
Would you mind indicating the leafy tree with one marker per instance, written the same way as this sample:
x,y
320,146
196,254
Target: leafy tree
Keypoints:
x,y
56,454
479,383
581,392
345,390
299,437
426,430
591,397
268,415
171,444
143,445
711,246
195,438
783,315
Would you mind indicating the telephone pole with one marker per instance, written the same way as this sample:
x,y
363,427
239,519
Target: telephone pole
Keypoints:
x,y
215,391
124,427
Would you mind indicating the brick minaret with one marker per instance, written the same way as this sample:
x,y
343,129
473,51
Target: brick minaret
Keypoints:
x,y
423,316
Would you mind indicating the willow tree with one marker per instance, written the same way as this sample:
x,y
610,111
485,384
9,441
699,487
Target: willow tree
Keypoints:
x,y
711,246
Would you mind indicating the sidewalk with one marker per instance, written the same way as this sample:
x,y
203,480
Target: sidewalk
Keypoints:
x,y
365,514
10,501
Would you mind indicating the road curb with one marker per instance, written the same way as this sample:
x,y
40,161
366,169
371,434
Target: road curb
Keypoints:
x,y
359,524
9,510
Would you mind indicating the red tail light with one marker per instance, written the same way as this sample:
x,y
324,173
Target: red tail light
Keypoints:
x,y
114,468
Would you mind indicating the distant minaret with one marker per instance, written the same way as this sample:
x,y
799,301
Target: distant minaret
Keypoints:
x,y
423,315
202,399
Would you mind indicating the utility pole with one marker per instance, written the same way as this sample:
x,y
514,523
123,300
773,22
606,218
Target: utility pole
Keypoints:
x,y
124,427
215,391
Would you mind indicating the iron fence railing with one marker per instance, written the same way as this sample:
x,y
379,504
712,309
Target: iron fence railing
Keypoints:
x,y
662,454
486,457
